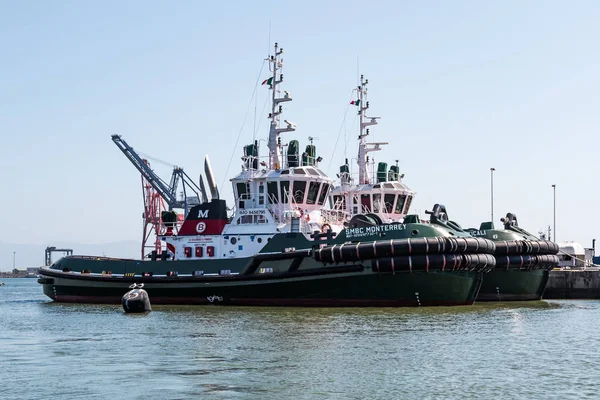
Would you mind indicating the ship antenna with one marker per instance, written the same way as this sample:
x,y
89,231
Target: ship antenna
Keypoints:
x,y
364,121
274,144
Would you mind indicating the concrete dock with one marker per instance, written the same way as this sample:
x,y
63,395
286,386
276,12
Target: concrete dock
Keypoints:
x,y
573,284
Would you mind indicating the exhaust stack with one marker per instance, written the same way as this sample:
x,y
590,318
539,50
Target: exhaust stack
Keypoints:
x,y
202,194
210,178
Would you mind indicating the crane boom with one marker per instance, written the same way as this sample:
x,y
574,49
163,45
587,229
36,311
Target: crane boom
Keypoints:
x,y
158,184
167,191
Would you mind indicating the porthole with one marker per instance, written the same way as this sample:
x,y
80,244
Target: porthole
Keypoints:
x,y
233,240
415,232
259,240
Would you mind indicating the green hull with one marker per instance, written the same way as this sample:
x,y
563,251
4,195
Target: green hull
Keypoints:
x,y
513,285
278,276
333,286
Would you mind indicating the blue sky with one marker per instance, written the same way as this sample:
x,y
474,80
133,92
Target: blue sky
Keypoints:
x,y
461,87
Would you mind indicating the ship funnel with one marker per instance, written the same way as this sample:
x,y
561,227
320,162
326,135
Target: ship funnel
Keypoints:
x,y
202,195
210,178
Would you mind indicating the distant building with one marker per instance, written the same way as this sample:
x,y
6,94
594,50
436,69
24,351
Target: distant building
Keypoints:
x,y
574,255
25,272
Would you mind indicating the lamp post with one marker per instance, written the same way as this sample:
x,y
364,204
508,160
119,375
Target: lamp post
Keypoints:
x,y
554,207
492,190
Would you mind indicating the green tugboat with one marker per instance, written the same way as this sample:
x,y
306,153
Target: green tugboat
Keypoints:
x,y
280,246
366,264
523,262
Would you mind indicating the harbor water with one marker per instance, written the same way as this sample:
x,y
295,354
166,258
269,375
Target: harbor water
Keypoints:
x,y
529,350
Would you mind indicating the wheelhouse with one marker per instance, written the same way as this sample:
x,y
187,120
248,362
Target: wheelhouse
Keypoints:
x,y
389,200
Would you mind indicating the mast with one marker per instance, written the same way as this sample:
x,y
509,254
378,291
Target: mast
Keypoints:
x,y
274,144
363,146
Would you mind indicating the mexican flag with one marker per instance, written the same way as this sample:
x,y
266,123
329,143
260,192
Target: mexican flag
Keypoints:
x,y
355,102
268,81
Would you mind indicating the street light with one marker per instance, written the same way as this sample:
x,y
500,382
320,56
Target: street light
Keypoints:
x,y
554,195
492,190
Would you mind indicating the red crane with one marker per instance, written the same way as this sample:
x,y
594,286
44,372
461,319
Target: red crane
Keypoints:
x,y
154,205
158,195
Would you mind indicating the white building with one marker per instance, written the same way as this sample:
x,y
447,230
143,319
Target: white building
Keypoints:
x,y
574,255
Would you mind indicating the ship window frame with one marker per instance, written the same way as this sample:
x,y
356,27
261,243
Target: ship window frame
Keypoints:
x,y
366,202
400,201
313,193
407,203
323,194
376,202
298,192
342,203
389,209
284,187
246,191
272,196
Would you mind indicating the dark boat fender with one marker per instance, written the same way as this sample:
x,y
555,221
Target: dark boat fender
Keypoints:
x,y
136,300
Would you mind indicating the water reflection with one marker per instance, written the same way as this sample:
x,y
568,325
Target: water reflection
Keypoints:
x,y
489,350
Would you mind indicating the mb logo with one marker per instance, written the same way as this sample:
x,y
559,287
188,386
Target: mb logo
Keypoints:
x,y
203,214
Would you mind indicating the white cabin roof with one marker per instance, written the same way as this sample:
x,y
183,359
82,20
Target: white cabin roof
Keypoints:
x,y
572,248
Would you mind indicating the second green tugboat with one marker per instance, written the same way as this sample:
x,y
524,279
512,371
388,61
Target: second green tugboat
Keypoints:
x,y
523,262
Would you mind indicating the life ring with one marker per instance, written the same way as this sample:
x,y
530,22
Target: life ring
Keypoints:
x,y
325,227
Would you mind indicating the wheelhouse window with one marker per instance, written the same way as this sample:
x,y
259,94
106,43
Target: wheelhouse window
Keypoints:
x,y
400,203
388,200
365,202
272,192
285,191
299,190
324,192
339,202
243,190
376,202
313,191
407,207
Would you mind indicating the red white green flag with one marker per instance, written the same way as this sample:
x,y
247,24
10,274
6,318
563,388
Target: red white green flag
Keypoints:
x,y
355,102
268,82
